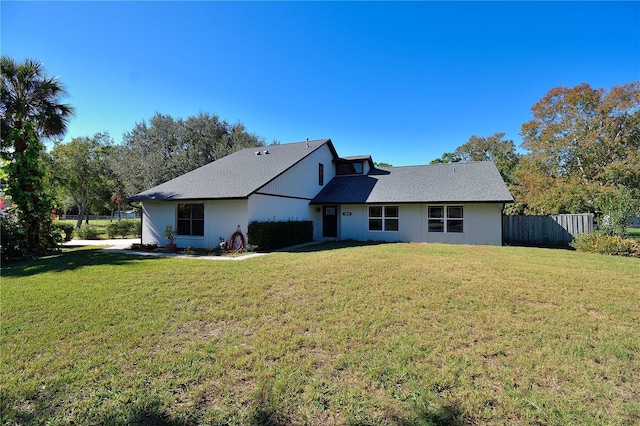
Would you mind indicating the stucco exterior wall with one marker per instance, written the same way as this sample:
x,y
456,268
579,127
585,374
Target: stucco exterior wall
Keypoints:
x,y
221,218
301,180
155,217
287,197
482,225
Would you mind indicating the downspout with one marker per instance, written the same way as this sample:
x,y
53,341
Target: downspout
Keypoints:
x,y
141,217
502,217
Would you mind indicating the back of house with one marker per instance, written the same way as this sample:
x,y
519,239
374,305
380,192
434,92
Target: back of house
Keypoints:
x,y
345,198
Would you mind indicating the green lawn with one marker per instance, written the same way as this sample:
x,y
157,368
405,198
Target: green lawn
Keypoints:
x,y
396,334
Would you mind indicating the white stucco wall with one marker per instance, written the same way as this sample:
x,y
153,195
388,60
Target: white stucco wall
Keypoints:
x,y
221,219
287,197
482,225
301,180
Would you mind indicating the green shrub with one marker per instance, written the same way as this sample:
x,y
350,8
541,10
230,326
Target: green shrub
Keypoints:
x,y
13,238
606,244
87,233
275,235
123,228
66,228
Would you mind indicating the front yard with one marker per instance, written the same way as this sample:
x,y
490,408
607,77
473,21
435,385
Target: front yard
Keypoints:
x,y
396,334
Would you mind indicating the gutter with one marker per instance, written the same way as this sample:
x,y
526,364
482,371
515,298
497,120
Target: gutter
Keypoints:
x,y
139,207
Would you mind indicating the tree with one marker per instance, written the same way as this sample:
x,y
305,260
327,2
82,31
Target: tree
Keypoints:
x,y
31,110
447,157
166,148
30,225
494,148
617,210
582,142
82,169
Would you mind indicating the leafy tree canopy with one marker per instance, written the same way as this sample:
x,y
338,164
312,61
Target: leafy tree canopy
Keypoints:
x,y
28,94
447,157
582,142
493,148
82,169
165,148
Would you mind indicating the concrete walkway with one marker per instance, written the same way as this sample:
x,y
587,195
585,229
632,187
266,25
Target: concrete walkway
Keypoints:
x,y
123,246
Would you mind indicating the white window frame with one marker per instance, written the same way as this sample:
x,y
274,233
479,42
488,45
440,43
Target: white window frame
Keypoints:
x,y
191,219
387,218
450,220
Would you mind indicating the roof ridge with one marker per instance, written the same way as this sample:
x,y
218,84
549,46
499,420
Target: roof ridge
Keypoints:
x,y
439,164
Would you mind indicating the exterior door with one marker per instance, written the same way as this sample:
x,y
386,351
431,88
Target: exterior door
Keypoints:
x,y
330,221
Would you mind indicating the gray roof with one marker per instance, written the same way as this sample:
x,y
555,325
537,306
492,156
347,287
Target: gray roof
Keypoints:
x,y
436,183
237,175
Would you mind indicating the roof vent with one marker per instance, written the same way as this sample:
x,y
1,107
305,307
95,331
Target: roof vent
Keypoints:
x,y
258,153
307,142
266,151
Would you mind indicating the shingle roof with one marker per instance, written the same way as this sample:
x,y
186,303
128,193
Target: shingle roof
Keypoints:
x,y
436,183
237,175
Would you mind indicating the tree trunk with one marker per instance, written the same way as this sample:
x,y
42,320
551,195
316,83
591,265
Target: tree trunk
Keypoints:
x,y
80,215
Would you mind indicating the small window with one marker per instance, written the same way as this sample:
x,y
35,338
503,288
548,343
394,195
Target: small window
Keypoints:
x,y
190,219
445,219
383,218
320,174
349,168
436,218
391,218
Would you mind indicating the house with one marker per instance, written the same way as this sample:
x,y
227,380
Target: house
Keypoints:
x,y
344,197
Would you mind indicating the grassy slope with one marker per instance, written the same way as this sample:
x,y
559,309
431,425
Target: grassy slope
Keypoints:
x,y
387,334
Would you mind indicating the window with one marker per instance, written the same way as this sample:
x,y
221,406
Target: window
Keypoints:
x,y
190,219
320,174
446,219
383,218
349,168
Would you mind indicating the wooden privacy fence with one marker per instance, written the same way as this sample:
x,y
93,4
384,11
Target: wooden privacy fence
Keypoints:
x,y
545,231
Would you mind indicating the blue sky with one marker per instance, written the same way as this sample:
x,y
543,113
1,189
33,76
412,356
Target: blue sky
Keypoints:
x,y
404,82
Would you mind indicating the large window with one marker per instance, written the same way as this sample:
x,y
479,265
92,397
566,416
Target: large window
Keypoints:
x,y
446,219
190,219
383,218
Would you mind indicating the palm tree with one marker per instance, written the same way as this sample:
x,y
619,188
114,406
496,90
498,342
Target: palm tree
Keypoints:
x,y
30,110
27,94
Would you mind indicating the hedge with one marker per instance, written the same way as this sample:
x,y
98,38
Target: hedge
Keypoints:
x,y
275,235
66,228
606,244
123,228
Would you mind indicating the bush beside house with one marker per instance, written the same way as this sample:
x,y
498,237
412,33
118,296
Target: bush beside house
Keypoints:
x,y
276,235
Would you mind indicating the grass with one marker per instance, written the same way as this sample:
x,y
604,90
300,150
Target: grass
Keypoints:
x,y
633,233
396,334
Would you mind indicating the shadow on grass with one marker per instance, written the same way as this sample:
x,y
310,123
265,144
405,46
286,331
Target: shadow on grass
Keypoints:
x,y
444,416
67,261
266,411
330,245
147,413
